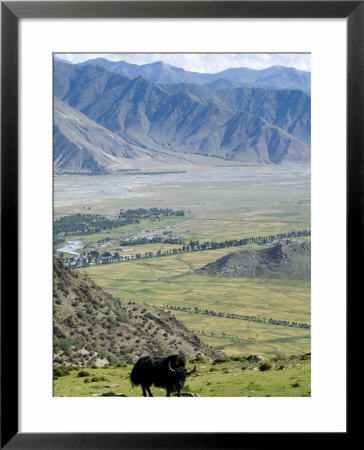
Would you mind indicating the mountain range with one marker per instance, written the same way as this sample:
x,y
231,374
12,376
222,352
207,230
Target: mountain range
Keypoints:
x,y
274,77
104,121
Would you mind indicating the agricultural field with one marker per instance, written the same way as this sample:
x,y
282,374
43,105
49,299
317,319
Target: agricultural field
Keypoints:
x,y
230,377
168,282
220,203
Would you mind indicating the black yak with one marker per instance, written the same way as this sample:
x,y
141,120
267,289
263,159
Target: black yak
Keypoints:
x,y
169,373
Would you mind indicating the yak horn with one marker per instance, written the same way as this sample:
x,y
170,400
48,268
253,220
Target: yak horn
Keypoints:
x,y
191,371
170,368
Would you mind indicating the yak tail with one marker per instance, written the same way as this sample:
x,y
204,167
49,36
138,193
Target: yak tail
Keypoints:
x,y
134,379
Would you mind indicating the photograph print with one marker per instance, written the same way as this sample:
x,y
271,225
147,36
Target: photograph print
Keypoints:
x,y
182,225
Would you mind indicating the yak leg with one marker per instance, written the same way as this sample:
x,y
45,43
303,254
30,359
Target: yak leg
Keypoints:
x,y
179,392
150,394
168,393
144,391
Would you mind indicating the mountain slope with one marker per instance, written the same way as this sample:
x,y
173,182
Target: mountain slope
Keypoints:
x,y
81,145
287,259
92,327
248,137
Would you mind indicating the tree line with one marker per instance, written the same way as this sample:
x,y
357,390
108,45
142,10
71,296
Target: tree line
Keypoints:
x,y
197,310
193,246
196,245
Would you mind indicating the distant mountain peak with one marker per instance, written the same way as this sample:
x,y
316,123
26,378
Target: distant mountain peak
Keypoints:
x,y
64,61
160,63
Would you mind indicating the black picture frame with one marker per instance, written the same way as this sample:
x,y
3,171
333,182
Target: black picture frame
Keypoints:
x,y
11,12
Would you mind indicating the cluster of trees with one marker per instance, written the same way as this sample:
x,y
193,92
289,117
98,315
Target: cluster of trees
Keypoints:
x,y
159,239
80,224
197,310
151,213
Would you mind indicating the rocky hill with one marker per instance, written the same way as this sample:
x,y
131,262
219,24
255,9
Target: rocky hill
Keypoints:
x,y
286,259
93,328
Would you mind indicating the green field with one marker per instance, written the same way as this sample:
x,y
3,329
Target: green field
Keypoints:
x,y
286,377
169,281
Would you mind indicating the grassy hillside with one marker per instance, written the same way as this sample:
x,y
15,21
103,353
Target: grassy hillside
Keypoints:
x,y
93,328
227,377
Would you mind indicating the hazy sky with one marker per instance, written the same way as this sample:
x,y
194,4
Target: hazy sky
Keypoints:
x,y
203,62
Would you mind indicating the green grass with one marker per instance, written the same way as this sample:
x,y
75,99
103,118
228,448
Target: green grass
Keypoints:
x,y
287,377
221,230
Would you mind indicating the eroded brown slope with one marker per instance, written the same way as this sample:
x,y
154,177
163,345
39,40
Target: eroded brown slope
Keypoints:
x,y
92,327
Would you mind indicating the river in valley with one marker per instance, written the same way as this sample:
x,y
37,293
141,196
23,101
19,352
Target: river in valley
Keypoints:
x,y
71,247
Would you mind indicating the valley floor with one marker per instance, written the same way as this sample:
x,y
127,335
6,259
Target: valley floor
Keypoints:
x,y
220,204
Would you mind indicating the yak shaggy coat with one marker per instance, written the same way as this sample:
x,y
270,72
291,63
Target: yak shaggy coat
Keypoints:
x,y
169,373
